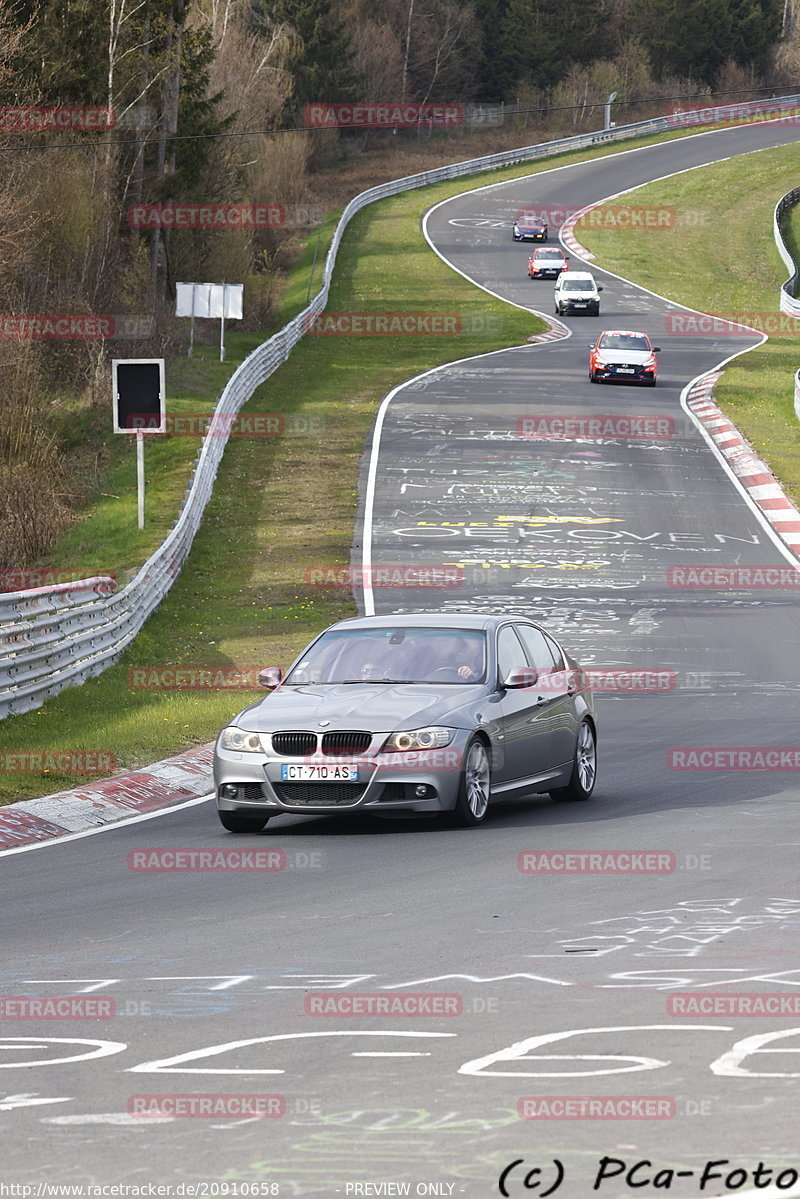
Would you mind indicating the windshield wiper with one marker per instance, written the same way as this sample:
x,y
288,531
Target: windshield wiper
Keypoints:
x,y
345,682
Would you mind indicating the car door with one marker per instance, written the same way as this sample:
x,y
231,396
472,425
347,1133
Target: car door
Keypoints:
x,y
524,752
556,727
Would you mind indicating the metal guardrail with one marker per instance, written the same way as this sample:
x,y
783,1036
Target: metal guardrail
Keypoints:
x,y
788,301
52,638
788,297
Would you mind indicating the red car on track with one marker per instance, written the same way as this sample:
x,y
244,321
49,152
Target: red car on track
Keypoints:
x,y
624,356
547,264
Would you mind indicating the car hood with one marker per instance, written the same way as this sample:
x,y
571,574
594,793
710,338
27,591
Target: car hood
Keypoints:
x,y
377,707
578,295
633,357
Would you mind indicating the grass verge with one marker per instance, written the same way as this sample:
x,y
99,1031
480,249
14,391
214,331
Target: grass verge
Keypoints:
x,y
720,257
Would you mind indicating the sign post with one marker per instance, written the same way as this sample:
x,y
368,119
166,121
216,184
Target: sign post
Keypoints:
x,y
210,301
138,402
140,475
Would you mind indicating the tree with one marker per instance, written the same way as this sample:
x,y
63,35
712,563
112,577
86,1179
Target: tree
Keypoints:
x,y
695,38
320,61
495,78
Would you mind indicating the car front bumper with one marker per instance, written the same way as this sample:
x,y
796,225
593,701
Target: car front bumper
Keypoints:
x,y
580,305
386,782
611,372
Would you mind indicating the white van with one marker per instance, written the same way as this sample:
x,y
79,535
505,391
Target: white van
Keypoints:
x,y
576,291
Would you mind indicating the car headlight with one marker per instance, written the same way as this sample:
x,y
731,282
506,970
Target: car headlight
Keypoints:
x,y
240,741
429,738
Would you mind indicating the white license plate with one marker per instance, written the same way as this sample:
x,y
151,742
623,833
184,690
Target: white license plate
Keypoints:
x,y
297,773
626,370
581,305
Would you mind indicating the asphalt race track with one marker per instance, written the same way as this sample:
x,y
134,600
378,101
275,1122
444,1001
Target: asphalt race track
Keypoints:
x,y
581,534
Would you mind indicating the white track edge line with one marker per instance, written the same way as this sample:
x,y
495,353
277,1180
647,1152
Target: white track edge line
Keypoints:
x,y
104,828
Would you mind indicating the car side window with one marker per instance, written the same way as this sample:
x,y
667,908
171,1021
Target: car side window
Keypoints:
x,y
558,657
510,654
539,648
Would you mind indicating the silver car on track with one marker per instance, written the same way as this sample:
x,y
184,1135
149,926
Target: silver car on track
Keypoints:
x,y
421,713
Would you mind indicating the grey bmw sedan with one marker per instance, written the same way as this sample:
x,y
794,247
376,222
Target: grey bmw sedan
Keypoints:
x,y
420,713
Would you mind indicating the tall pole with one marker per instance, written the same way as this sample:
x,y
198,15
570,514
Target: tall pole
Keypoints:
x,y
140,474
609,102
313,265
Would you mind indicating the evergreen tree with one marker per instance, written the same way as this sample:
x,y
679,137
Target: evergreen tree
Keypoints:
x,y
496,79
756,28
196,115
541,39
321,63
60,59
692,38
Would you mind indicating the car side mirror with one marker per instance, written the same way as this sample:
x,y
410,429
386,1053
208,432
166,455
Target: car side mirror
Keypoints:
x,y
521,676
600,288
270,677
656,349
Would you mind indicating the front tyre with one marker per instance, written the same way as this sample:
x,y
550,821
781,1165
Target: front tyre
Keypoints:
x,y
584,768
242,822
474,787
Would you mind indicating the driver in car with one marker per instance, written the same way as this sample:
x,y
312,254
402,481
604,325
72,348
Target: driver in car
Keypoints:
x,y
470,657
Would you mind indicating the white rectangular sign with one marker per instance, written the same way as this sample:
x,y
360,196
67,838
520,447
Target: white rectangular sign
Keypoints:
x,y
209,300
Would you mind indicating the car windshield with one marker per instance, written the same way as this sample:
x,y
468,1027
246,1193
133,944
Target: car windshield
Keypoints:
x,y
576,284
396,655
549,254
529,224
624,341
